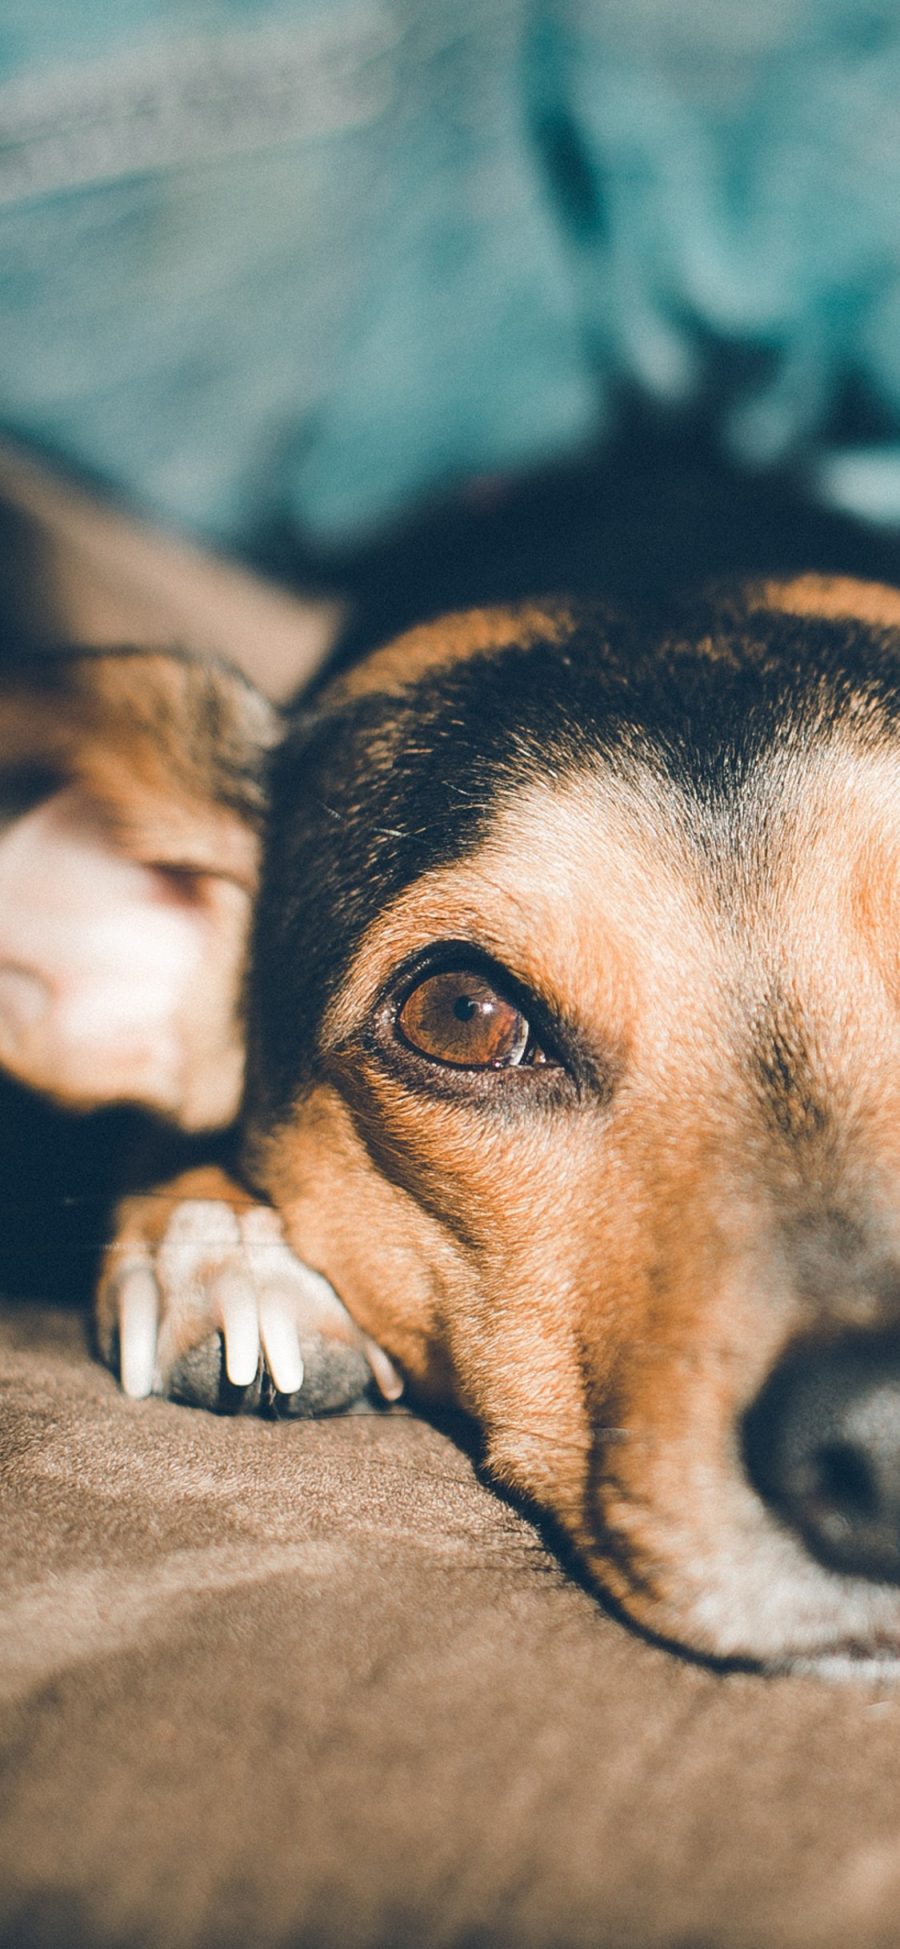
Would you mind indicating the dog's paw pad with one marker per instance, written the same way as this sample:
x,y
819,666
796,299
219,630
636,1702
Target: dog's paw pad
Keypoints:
x,y
199,1380
334,1376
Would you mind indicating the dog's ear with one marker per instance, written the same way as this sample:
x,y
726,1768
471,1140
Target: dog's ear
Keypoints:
x,y
132,798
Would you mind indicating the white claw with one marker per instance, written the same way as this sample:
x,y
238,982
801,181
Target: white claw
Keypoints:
x,y
240,1326
138,1321
280,1344
390,1383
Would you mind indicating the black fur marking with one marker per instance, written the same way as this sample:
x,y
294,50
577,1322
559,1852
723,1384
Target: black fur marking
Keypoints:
x,y
786,1074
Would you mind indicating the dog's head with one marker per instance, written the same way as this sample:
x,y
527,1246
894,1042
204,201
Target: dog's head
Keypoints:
x,y
573,1063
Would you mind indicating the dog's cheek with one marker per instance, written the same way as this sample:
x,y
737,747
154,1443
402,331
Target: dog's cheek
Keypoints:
x,y
391,1261
485,1323
495,1337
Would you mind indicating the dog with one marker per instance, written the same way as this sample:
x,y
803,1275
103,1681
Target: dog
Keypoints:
x,y
544,969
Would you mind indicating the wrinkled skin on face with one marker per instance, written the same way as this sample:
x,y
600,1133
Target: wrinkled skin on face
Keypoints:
x,y
679,865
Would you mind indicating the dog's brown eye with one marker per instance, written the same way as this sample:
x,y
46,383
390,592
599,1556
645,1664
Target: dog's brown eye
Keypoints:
x,y
461,1019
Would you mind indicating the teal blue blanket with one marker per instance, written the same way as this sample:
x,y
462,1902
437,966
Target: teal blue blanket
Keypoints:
x,y
306,261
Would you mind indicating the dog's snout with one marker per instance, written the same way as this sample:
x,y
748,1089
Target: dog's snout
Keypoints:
x,y
822,1447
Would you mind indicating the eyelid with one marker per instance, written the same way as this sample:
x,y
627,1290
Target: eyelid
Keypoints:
x,y
576,1071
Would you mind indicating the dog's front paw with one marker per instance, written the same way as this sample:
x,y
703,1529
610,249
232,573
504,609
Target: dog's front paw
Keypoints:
x,y
202,1300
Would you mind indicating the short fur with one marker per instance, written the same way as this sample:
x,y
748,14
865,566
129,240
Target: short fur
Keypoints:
x,y
681,860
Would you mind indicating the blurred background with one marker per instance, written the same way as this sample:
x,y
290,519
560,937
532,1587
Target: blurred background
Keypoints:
x,y
327,283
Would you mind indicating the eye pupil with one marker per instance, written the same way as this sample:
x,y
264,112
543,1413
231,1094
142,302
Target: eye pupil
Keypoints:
x,y
465,1008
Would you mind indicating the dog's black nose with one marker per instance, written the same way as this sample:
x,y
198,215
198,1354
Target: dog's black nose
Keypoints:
x,y
822,1446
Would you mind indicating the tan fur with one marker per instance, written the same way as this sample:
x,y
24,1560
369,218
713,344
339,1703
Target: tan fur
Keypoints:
x,y
187,808
601,1283
401,664
839,597
116,725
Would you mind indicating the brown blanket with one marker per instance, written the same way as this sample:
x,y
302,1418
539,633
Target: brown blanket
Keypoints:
x,y
314,1684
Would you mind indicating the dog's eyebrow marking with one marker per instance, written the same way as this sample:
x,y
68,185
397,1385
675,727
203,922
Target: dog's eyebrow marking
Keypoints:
x,y
833,597
420,652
